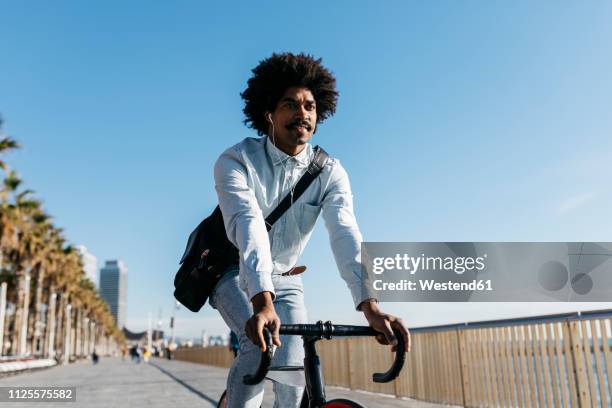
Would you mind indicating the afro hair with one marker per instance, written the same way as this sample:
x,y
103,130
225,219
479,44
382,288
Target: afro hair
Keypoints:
x,y
274,75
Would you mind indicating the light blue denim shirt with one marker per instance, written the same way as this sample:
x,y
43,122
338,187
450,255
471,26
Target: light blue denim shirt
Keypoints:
x,y
251,179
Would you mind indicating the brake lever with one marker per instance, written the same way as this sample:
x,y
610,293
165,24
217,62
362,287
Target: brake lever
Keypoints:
x,y
400,358
264,363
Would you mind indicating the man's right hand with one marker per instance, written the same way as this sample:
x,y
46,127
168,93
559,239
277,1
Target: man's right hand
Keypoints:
x,y
264,315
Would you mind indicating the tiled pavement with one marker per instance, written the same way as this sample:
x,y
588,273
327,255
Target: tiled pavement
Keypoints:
x,y
160,383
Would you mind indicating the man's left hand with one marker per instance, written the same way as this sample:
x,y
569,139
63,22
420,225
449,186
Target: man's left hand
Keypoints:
x,y
385,324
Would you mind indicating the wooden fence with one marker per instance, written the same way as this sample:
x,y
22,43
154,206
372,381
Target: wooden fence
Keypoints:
x,y
219,356
549,361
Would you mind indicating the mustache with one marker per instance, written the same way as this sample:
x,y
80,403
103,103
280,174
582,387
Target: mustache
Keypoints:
x,y
298,122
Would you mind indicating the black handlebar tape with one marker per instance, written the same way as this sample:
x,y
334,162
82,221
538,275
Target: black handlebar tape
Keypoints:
x,y
341,330
323,330
301,329
264,364
398,363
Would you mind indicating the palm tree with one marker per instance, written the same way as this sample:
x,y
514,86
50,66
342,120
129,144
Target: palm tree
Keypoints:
x,y
12,223
6,144
7,230
47,238
22,260
33,255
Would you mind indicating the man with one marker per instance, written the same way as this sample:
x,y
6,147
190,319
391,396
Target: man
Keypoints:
x,y
286,98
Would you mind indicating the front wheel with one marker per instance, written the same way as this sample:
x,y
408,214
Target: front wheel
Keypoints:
x,y
223,400
342,403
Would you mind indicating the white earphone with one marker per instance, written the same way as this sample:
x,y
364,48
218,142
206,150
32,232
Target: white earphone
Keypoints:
x,y
282,162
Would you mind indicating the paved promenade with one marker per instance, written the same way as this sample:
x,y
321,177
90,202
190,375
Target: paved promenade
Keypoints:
x,y
158,384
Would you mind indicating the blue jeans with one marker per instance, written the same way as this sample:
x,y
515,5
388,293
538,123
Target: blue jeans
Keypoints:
x,y
235,308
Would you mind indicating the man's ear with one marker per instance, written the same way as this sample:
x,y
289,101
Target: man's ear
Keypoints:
x,y
268,116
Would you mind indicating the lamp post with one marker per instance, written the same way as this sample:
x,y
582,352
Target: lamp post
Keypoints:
x,y
68,329
92,338
86,326
51,329
175,307
23,336
150,334
2,314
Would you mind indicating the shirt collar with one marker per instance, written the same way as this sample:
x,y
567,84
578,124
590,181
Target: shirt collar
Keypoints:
x,y
277,156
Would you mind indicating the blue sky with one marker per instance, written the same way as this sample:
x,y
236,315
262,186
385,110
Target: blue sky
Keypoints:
x,y
457,121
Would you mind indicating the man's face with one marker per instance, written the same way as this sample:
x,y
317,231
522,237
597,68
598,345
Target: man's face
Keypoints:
x,y
295,120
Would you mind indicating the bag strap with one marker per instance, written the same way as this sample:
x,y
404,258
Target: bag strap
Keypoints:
x,y
314,169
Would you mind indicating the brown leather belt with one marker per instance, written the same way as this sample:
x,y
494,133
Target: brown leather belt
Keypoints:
x,y
296,270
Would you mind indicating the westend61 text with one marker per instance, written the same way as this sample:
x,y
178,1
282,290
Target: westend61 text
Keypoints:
x,y
429,285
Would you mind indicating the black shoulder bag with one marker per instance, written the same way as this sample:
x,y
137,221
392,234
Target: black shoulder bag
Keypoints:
x,y
209,252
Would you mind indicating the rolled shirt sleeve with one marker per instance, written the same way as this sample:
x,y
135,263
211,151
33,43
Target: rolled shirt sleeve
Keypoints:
x,y
344,235
244,222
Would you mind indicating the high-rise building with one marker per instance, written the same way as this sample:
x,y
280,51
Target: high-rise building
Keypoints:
x,y
90,263
113,288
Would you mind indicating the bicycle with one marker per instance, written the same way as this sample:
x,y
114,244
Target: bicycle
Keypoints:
x,y
314,393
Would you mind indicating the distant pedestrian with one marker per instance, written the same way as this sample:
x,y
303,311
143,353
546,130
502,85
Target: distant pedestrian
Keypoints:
x,y
95,357
234,343
134,353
